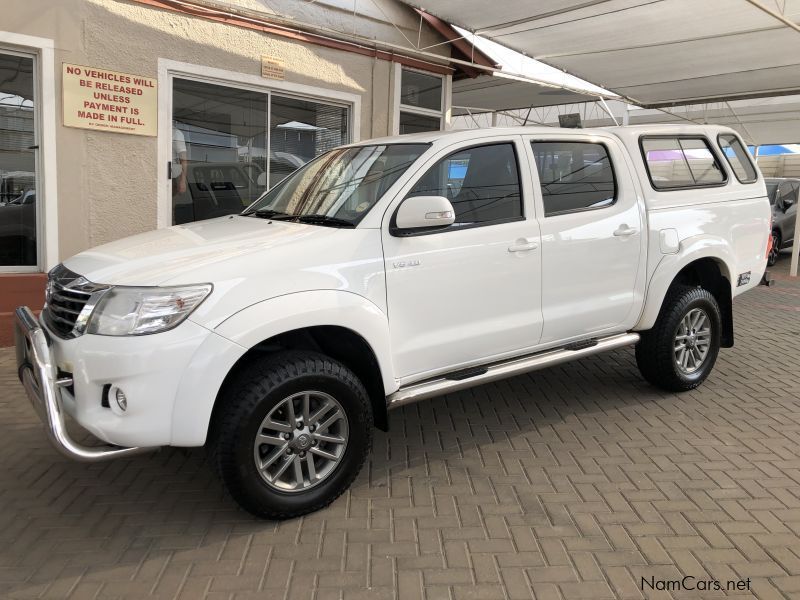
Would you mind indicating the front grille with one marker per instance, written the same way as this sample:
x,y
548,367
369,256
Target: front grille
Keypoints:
x,y
67,296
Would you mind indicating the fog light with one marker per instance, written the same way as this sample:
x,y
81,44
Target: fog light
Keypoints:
x,y
122,401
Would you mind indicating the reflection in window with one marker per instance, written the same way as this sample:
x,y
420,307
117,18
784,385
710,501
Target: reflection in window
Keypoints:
x,y
574,176
681,162
411,123
17,162
343,184
420,90
219,149
222,157
420,102
302,130
482,183
738,158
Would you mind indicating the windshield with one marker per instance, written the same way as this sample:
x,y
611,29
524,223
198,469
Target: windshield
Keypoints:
x,y
339,187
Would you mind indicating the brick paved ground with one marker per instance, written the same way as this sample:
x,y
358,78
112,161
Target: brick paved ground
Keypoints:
x,y
568,483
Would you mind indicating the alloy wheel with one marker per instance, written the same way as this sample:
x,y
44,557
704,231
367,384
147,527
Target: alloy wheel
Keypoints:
x,y
301,441
692,341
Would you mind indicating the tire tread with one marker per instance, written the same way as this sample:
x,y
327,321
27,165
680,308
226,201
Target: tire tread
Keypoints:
x,y
654,354
242,397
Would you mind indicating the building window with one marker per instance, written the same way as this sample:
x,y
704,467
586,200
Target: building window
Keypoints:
x,y
574,176
18,172
301,130
229,145
421,102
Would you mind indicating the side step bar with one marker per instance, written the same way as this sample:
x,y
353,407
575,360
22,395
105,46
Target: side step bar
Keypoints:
x,y
515,366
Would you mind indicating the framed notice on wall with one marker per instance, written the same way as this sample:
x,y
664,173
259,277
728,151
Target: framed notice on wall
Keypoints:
x,y
109,101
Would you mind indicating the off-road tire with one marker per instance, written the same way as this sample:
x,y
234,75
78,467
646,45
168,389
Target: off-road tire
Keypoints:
x,y
655,353
251,395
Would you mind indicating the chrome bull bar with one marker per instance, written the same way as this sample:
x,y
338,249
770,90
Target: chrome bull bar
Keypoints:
x,y
39,376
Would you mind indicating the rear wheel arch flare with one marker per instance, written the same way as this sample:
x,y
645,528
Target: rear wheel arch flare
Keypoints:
x,y
712,274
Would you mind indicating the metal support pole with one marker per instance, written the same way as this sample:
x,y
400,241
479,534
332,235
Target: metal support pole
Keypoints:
x,y
795,244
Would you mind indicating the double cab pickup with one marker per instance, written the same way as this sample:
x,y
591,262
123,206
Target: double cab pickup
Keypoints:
x,y
387,272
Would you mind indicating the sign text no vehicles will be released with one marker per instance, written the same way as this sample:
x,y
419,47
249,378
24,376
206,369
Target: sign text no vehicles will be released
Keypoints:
x,y
108,100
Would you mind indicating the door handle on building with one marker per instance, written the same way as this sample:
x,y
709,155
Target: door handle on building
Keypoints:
x,y
625,231
523,245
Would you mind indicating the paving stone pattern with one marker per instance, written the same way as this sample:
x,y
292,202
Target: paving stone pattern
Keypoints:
x,y
575,482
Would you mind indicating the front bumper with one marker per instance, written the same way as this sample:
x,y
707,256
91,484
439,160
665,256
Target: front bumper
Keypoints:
x,y
39,375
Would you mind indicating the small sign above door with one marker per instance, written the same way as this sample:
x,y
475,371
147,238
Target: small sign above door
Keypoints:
x,y
272,68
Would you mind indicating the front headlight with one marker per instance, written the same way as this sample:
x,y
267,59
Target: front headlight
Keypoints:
x,y
142,310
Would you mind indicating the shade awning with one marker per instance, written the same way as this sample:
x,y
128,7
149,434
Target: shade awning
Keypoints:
x,y
496,92
655,53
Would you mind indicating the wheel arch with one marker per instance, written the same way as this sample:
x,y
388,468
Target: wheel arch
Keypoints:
x,y
343,325
705,262
340,343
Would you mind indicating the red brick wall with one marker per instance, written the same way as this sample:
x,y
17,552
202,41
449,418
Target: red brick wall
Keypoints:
x,y
17,290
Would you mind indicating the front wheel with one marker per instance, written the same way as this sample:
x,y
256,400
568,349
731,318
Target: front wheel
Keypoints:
x,y
679,352
292,435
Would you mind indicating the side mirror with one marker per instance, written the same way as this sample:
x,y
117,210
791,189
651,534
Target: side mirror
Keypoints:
x,y
262,179
425,211
787,203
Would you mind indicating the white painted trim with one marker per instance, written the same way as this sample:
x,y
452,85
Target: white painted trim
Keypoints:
x,y
47,192
167,69
447,101
444,114
394,95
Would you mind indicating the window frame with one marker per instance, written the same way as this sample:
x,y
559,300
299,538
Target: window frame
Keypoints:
x,y
749,158
394,231
416,110
45,229
573,211
169,70
682,136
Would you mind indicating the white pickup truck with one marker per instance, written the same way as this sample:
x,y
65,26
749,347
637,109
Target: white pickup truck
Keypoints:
x,y
387,272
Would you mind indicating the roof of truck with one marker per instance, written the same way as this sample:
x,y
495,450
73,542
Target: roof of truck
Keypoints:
x,y
621,131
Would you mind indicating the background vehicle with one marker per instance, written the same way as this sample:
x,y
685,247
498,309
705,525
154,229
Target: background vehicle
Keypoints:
x,y
388,272
783,197
18,229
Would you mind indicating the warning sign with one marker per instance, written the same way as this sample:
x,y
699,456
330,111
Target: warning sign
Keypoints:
x,y
110,101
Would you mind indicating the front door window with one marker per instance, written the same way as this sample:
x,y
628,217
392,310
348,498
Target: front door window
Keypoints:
x,y
17,162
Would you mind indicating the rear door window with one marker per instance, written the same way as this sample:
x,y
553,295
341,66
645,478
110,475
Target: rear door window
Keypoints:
x,y
574,176
681,162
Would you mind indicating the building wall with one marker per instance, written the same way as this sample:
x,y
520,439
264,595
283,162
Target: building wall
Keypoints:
x,y
107,182
783,165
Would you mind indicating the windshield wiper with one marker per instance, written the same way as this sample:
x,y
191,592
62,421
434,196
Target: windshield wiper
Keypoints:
x,y
268,213
315,219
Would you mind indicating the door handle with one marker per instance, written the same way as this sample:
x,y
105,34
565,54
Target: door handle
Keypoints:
x,y
523,245
625,231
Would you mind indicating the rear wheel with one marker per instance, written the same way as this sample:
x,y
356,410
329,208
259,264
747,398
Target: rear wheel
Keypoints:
x,y
679,352
293,434
775,251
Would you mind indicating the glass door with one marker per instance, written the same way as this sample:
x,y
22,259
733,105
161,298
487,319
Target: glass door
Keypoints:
x,y
230,144
18,168
219,149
